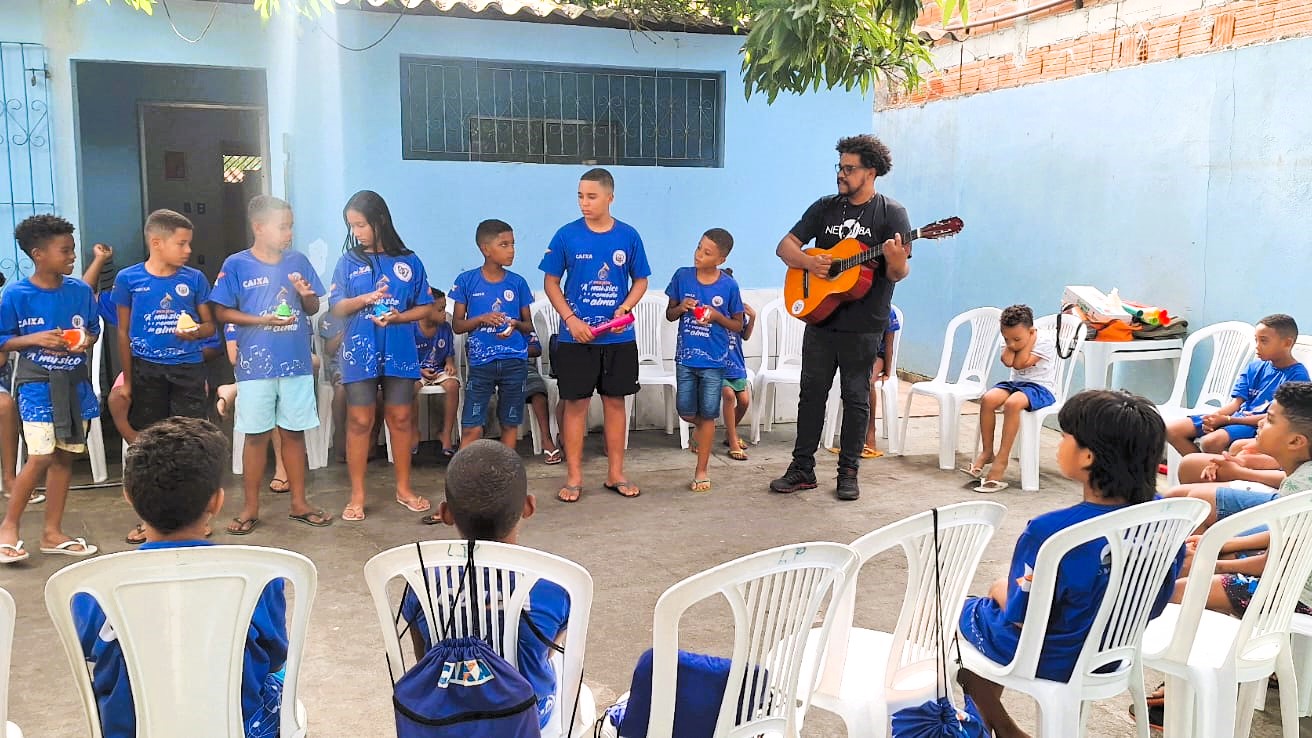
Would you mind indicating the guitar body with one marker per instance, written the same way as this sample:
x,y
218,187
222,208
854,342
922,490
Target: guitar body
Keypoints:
x,y
813,299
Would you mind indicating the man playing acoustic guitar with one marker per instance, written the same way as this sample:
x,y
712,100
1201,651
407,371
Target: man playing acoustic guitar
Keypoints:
x,y
847,341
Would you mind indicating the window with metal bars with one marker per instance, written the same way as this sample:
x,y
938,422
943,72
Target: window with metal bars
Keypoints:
x,y
482,110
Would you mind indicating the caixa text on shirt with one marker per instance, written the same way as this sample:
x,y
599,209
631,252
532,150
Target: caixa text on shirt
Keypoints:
x,y
31,322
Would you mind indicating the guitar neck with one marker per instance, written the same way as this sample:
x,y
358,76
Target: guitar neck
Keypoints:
x,y
869,255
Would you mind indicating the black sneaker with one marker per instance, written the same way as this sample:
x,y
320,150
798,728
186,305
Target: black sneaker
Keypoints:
x,y
794,480
848,488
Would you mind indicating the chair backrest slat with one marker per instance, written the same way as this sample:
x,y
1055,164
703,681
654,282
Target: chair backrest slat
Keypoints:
x,y
649,322
8,614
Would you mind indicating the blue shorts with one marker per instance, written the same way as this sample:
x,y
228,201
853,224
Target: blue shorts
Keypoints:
x,y
1230,500
506,378
1235,432
285,402
1038,395
697,391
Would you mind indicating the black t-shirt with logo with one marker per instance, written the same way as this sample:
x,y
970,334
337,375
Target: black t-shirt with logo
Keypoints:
x,y
832,219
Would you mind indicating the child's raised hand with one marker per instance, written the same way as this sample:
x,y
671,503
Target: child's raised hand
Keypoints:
x,y
103,252
302,286
378,294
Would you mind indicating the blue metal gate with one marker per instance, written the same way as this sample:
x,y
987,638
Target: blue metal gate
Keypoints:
x,y
26,161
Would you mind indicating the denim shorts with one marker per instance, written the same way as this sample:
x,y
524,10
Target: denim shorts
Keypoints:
x,y
697,391
506,378
1230,500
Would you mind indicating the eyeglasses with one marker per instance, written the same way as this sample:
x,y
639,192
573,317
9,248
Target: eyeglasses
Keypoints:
x,y
846,169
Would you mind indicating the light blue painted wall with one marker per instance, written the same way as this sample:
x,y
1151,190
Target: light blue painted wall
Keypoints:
x,y
337,114
107,101
1184,183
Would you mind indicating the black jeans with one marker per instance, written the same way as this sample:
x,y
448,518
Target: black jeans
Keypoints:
x,y
852,356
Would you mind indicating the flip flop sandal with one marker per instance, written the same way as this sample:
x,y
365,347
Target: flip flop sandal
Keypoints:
x,y
137,536
6,559
418,504
699,485
553,457
243,527
741,444
737,454
990,486
974,472
871,453
575,489
276,490
834,450
433,519
66,548
622,485
324,519
37,498
353,513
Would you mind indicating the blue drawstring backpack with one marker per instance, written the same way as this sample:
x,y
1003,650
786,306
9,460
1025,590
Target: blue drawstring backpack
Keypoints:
x,y
939,718
700,683
462,688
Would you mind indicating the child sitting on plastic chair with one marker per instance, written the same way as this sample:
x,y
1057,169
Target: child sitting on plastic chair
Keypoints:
x,y
173,477
1110,443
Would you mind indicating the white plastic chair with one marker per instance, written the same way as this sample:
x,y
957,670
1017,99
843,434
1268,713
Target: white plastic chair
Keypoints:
x,y
7,617
512,571
970,382
318,440
868,674
649,326
1031,423
1232,349
458,356
1206,655
888,399
1300,640
1142,542
545,323
181,616
781,360
775,596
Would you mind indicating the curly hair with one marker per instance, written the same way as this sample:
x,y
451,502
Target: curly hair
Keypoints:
x,y
1126,436
173,470
874,154
486,486
1295,400
1017,315
34,232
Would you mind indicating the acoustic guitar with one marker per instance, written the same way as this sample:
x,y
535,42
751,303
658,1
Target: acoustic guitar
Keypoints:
x,y
813,299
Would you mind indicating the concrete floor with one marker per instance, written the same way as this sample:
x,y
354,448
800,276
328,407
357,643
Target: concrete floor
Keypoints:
x,y
634,549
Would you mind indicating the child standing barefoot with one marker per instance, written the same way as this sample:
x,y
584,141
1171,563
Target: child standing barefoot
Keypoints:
x,y
1030,355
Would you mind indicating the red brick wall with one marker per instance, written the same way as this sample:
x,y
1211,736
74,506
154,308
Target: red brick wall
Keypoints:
x,y
1239,23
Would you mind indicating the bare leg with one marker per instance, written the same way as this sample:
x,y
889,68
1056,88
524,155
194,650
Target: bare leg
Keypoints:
x,y
574,415
510,435
872,434
1180,434
615,422
279,468
8,441
988,698
705,434
469,434
359,439
1215,442
450,406
33,472
339,421
543,419
254,457
401,426
728,408
1011,410
58,475
1191,467
118,411
988,406
297,461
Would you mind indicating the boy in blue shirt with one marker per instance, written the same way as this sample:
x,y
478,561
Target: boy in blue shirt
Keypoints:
x,y
435,342
1110,443
173,476
265,292
487,497
608,271
53,381
736,395
497,347
709,308
1253,392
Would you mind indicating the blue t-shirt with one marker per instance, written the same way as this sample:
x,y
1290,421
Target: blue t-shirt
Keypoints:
x,y
704,346
1081,582
434,350
602,267
247,284
547,608
330,327
266,654
26,309
108,310
156,304
736,366
510,296
1256,387
369,352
